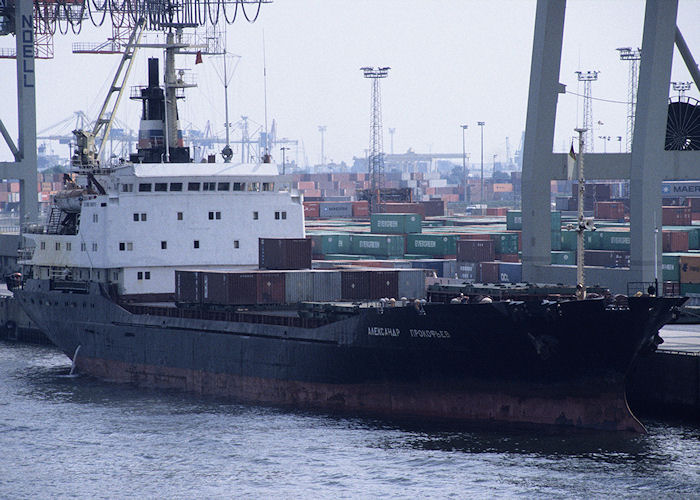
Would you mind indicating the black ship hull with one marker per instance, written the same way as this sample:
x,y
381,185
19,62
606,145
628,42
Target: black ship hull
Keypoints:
x,y
522,363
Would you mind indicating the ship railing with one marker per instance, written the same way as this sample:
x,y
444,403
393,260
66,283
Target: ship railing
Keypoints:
x,y
69,285
668,288
25,253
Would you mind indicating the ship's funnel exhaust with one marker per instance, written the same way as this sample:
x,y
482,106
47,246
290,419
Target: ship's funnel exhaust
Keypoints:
x,y
153,72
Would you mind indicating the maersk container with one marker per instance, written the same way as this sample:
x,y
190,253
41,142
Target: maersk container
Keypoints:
x,y
327,285
514,220
322,244
411,283
505,242
377,244
396,223
431,244
567,258
510,272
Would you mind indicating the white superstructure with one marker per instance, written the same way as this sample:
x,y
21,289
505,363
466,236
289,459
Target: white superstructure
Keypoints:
x,y
155,218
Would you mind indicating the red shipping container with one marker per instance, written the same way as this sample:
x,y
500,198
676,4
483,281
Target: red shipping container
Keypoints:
x,y
403,208
433,208
694,204
242,288
284,253
674,241
312,210
489,272
271,288
677,216
497,211
360,209
609,210
475,250
214,287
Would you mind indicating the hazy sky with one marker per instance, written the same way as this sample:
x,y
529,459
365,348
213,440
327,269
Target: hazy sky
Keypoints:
x,y
453,62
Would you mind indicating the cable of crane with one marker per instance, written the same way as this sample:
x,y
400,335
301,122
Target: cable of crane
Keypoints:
x,y
598,98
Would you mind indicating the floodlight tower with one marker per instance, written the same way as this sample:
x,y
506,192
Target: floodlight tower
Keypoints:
x,y
322,129
587,78
681,87
391,137
376,150
633,56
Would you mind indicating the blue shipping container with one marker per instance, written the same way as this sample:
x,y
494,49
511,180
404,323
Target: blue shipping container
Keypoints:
x,y
510,272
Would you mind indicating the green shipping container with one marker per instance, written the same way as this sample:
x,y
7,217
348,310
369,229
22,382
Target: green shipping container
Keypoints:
x,y
505,242
396,223
568,240
564,258
614,240
690,288
432,244
323,244
377,244
556,240
671,267
514,220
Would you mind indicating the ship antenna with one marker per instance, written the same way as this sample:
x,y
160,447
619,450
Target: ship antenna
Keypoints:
x,y
267,139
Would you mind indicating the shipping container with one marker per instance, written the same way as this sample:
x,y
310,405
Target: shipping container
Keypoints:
x,y
613,240
402,208
433,208
510,272
607,258
411,284
377,244
670,266
242,288
187,287
566,258
327,285
556,240
396,223
214,287
311,210
329,210
444,268
489,272
674,241
514,220
476,250
299,286
569,240
360,209
271,288
354,285
284,253
383,284
469,271
689,268
677,216
506,242
432,244
323,244
609,210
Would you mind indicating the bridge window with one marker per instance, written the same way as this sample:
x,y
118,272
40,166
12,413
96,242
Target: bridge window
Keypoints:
x,y
236,244
196,243
223,186
268,186
193,186
127,188
255,215
209,186
161,186
239,186
163,245
145,187
214,215
176,186
179,216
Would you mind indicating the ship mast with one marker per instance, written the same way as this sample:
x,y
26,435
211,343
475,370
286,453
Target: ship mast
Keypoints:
x,y
584,223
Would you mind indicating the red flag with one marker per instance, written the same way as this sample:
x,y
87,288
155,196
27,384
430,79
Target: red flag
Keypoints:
x,y
198,59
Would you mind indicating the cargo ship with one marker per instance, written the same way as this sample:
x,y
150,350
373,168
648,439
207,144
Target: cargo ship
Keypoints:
x,y
147,272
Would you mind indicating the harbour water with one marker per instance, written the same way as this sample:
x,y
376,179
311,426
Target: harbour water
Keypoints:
x,y
78,437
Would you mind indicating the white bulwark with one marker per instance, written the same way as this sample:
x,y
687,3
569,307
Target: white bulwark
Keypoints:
x,y
137,223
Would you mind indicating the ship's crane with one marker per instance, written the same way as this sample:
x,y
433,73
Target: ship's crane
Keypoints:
x,y
86,153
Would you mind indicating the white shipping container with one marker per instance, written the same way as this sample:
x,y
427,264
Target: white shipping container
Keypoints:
x,y
326,285
412,283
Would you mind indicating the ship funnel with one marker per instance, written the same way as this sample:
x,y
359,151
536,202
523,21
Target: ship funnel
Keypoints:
x,y
152,72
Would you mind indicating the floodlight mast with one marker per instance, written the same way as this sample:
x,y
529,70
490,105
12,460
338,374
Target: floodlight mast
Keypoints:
x,y
376,150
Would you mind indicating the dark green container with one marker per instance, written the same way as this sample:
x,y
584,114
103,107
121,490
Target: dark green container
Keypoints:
x,y
568,240
505,242
671,267
614,240
564,258
556,240
323,244
687,288
431,244
514,220
396,223
377,244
